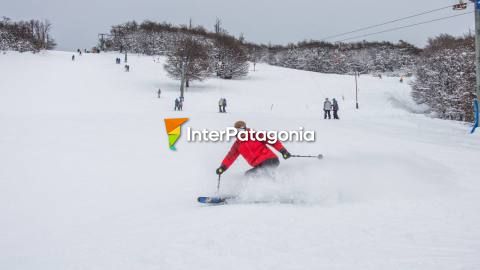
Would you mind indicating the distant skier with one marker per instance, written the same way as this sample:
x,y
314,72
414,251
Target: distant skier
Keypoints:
x,y
177,104
327,107
255,152
220,104
224,104
127,68
401,79
335,109
159,92
73,57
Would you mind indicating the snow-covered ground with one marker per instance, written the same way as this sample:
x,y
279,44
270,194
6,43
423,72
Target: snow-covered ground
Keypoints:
x,y
87,180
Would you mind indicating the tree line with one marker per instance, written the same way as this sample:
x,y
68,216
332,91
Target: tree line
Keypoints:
x,y
32,35
193,53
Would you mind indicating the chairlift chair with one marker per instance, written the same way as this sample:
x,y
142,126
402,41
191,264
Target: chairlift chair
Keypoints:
x,y
460,6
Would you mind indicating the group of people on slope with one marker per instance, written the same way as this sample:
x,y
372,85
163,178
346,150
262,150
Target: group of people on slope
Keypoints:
x,y
179,104
329,106
79,53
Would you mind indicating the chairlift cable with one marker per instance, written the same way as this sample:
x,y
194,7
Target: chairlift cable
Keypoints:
x,y
388,22
405,26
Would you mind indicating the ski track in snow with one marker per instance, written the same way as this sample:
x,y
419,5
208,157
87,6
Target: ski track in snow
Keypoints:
x,y
87,180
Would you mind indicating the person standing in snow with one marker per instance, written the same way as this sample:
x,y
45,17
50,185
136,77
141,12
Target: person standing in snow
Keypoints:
x,y
220,103
159,92
73,57
224,104
335,109
327,107
255,152
180,104
177,104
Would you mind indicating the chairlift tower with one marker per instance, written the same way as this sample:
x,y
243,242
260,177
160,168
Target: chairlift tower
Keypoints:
x,y
101,37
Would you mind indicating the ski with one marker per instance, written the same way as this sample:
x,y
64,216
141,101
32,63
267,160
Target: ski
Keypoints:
x,y
236,200
214,200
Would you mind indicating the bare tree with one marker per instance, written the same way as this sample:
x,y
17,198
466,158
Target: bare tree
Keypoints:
x,y
188,62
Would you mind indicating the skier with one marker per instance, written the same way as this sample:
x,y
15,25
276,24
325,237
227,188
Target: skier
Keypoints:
x,y
255,152
177,104
327,107
224,104
73,57
335,109
220,103
127,68
159,92
401,79
180,104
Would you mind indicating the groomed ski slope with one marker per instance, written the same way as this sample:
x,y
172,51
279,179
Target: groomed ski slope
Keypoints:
x,y
87,180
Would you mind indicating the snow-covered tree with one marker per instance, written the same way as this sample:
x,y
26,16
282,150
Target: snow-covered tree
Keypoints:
x,y
445,77
33,35
231,57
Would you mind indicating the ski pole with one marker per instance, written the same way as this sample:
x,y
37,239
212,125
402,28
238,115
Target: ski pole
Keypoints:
x,y
320,156
218,183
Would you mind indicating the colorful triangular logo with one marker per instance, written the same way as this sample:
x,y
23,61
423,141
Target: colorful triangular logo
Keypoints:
x,y
172,126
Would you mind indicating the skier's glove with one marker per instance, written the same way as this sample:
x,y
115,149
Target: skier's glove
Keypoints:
x,y
220,170
285,154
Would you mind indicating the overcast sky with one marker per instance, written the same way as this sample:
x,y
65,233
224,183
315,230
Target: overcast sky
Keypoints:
x,y
77,23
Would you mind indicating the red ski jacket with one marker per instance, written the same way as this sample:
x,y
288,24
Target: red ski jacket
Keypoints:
x,y
254,152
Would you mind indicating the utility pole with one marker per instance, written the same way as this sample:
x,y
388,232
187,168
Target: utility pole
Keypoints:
x,y
356,87
477,61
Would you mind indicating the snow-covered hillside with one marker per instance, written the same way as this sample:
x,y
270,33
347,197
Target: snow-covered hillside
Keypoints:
x,y
87,180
